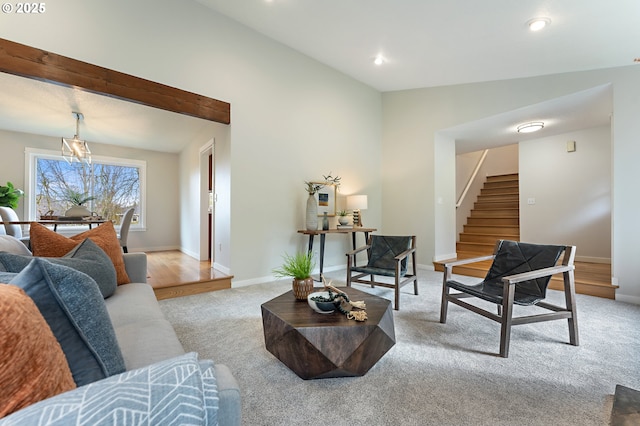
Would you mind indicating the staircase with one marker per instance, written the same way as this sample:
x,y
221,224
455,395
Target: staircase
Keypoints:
x,y
495,216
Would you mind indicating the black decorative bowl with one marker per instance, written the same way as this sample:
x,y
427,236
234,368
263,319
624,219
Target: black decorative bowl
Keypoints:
x,y
319,306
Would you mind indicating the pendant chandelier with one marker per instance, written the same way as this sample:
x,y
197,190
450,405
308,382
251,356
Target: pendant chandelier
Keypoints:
x,y
76,149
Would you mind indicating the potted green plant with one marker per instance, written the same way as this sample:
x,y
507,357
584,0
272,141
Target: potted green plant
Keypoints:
x,y
298,267
343,218
78,201
10,195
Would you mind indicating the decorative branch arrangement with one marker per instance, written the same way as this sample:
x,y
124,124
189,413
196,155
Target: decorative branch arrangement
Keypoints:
x,y
342,303
313,187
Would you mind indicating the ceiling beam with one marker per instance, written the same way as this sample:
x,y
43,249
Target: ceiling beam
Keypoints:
x,y
25,61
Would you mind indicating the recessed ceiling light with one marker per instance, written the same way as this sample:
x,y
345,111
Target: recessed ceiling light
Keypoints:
x,y
379,59
536,24
533,126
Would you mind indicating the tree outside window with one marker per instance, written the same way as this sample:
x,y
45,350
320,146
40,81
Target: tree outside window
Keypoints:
x,y
111,188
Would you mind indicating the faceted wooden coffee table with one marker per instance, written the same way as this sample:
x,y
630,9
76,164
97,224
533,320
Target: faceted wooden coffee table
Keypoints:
x,y
317,346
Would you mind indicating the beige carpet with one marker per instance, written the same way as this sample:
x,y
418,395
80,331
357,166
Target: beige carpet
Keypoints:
x,y
435,374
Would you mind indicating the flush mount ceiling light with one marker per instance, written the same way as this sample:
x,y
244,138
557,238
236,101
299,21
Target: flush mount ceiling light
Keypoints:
x,y
76,149
536,24
533,126
379,59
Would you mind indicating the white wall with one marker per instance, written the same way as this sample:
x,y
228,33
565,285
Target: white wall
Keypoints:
x,y
161,232
292,119
501,161
193,181
412,119
572,192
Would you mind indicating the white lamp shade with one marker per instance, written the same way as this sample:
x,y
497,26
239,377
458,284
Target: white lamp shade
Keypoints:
x,y
357,202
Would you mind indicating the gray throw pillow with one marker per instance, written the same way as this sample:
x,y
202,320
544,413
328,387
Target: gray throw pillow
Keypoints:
x,y
5,277
86,257
72,305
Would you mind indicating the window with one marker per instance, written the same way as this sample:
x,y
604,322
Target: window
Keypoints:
x,y
112,186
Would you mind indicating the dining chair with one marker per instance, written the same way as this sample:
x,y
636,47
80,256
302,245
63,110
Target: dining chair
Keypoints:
x,y
123,235
15,230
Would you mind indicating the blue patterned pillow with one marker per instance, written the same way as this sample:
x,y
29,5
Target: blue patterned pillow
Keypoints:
x,y
72,305
178,391
86,257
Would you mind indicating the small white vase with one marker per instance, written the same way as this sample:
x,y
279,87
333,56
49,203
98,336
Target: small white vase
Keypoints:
x,y
312,213
343,220
77,211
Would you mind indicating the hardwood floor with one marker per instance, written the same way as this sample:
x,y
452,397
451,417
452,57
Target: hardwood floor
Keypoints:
x,y
174,274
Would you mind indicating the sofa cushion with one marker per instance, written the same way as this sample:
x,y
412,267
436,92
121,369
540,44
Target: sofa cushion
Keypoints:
x,y
133,303
146,342
181,390
12,245
144,334
33,364
72,305
86,257
46,243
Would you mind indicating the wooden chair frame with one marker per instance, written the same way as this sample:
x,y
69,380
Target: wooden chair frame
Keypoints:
x,y
399,280
505,311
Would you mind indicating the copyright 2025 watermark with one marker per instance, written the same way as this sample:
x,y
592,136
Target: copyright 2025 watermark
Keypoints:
x,y
24,8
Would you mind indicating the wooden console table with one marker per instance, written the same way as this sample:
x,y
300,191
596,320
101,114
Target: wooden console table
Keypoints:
x,y
323,234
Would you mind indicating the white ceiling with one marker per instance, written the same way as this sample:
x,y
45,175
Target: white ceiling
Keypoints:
x,y
442,42
426,42
582,110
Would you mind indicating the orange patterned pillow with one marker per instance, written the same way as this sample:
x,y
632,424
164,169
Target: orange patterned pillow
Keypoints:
x,y
33,364
46,243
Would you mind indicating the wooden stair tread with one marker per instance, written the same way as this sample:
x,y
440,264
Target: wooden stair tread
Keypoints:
x,y
491,234
502,226
502,178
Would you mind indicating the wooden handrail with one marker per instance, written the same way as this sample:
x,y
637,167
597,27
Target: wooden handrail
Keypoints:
x,y
472,177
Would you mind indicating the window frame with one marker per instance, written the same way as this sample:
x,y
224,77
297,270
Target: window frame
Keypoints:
x,y
30,179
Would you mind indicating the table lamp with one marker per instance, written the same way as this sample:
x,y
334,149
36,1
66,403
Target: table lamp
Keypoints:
x,y
357,203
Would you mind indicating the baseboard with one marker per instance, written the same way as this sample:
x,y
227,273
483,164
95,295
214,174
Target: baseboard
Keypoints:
x,y
634,300
440,258
426,267
252,281
221,268
190,253
330,269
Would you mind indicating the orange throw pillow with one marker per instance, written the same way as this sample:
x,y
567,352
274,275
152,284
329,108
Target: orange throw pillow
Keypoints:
x,y
46,243
33,364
